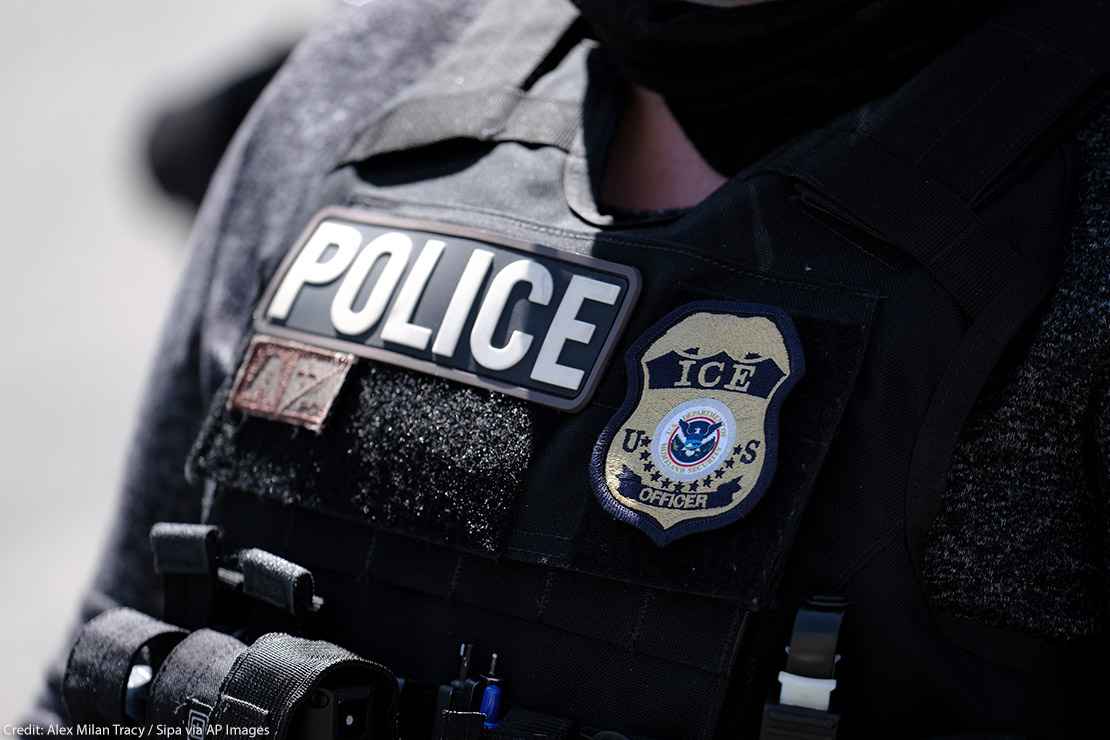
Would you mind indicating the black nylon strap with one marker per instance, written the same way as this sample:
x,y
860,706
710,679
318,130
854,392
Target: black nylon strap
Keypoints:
x,y
185,549
980,107
797,723
479,91
277,581
461,725
189,680
813,644
187,556
520,723
94,687
914,166
919,215
270,680
497,114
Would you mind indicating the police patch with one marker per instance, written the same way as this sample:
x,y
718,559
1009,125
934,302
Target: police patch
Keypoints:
x,y
523,319
695,444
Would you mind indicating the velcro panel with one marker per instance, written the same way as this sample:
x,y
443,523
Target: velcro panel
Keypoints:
x,y
401,451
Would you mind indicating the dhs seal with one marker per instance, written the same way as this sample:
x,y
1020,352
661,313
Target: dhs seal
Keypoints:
x,y
695,444
692,439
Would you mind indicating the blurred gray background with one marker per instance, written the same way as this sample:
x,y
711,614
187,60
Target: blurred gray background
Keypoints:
x,y
90,256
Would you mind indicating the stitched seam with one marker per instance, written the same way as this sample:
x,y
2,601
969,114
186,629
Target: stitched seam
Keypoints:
x,y
847,240
369,556
614,240
641,614
881,543
453,586
543,534
542,606
540,553
968,110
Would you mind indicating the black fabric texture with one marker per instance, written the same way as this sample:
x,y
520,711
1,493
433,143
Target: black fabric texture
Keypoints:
x,y
276,581
191,676
185,549
797,723
1019,539
186,556
545,623
99,665
794,61
401,450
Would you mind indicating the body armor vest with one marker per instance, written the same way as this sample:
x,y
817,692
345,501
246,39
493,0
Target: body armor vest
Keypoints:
x,y
890,256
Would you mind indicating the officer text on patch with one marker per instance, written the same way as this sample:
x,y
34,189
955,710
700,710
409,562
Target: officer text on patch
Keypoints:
x,y
526,320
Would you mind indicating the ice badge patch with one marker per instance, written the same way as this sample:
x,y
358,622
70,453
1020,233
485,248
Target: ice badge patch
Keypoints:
x,y
695,443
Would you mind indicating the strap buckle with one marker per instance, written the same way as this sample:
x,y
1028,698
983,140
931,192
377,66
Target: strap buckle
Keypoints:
x,y
804,691
807,684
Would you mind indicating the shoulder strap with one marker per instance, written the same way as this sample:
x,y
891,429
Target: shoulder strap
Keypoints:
x,y
984,104
503,46
480,90
915,166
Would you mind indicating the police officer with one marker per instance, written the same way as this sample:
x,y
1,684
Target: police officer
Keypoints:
x,y
640,341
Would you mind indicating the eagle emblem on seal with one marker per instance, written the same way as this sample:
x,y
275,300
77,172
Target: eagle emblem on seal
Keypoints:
x,y
695,444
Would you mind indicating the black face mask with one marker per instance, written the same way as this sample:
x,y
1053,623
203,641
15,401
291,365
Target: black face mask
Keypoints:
x,y
741,80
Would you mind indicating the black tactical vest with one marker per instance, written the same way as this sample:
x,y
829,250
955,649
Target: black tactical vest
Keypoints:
x,y
839,303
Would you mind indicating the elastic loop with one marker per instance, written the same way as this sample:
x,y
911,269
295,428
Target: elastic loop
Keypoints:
x,y
94,687
187,686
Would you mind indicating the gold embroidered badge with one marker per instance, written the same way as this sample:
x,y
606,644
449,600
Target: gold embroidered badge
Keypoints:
x,y
695,444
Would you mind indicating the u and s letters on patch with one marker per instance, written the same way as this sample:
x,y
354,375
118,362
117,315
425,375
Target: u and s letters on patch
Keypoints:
x,y
695,444
522,319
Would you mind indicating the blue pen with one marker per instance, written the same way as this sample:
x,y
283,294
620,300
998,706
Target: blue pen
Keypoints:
x,y
491,697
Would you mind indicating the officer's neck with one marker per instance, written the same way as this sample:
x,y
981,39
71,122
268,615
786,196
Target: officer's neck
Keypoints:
x,y
652,165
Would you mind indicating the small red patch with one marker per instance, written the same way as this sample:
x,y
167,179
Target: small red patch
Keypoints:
x,y
289,381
